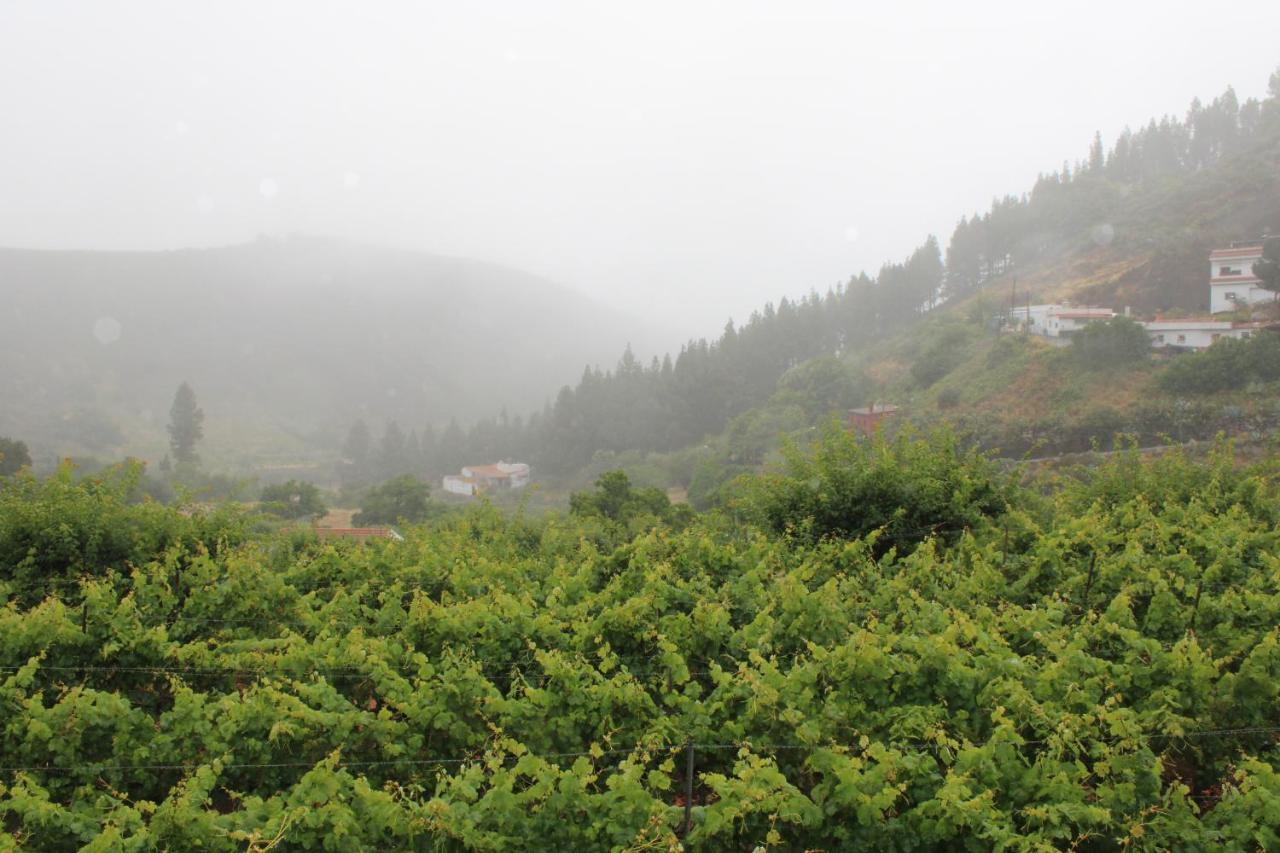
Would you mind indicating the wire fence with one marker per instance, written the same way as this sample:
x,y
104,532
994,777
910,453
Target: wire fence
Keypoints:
x,y
597,752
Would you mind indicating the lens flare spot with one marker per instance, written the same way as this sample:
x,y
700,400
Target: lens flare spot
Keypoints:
x,y
107,330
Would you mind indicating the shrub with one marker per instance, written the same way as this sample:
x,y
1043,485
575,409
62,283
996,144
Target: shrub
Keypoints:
x,y
941,356
909,487
65,526
402,499
754,433
822,385
294,499
710,477
1228,365
14,456
1112,343
615,499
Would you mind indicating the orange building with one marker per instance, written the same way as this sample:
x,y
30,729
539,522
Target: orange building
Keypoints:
x,y
868,418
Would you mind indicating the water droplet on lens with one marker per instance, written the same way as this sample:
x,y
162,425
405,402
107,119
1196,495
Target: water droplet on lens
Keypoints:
x,y
107,330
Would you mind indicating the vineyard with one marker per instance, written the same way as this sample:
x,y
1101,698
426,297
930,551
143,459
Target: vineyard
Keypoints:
x,y
880,646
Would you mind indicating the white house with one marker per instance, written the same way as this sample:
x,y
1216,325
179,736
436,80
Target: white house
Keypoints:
x,y
1033,318
1232,284
1057,321
1068,319
475,479
1196,333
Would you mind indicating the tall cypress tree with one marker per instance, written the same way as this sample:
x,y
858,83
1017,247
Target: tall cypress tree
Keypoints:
x,y
186,425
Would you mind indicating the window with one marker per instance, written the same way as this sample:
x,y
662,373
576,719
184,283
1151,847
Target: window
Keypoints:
x,y
1214,336
1182,339
1160,338
1229,270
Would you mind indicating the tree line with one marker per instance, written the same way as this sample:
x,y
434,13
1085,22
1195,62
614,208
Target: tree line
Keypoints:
x,y
672,403
669,403
1019,229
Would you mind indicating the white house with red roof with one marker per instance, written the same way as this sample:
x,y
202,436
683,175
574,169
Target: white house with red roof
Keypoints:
x,y
1232,284
474,479
1069,319
1058,320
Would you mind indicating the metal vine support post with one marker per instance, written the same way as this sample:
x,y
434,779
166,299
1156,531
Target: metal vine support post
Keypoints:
x,y
688,790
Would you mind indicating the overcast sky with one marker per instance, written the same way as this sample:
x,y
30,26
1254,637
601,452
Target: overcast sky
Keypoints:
x,y
684,161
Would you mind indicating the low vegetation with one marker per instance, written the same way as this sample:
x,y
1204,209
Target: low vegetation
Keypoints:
x,y
893,646
1226,366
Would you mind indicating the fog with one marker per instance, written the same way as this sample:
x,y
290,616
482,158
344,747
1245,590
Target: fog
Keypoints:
x,y
681,162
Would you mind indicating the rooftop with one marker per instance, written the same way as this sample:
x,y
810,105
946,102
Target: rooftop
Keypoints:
x,y
497,470
1237,250
1084,314
358,533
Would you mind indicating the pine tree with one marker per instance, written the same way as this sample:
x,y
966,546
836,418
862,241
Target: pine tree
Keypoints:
x,y
1096,156
356,450
356,447
1268,269
14,456
391,451
186,425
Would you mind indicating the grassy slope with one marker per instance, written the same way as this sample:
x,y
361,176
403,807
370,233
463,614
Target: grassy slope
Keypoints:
x,y
1157,263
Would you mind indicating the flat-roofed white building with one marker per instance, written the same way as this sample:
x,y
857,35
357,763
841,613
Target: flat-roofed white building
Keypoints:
x,y
1033,318
1232,284
1069,319
1196,332
1057,320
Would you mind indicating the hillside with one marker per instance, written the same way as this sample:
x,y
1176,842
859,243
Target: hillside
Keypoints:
x,y
94,344
1130,227
1147,254
1148,246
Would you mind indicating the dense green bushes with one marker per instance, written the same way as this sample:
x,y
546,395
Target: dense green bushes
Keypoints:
x,y
904,488
1099,670
14,456
404,499
294,499
66,527
626,509
940,357
1227,365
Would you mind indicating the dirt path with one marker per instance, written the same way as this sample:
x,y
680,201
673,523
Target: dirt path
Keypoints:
x,y
337,518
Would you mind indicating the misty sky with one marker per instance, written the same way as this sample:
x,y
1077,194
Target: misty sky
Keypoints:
x,y
684,161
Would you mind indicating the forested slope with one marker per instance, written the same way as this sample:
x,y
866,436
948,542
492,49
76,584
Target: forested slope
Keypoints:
x,y
1129,225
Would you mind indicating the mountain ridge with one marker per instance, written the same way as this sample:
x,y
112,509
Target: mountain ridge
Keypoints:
x,y
348,329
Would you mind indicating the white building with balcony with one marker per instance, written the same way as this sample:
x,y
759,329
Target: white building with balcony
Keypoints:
x,y
1232,284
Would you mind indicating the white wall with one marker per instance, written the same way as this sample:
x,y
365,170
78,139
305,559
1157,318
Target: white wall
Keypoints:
x,y
1244,293
458,486
1192,337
